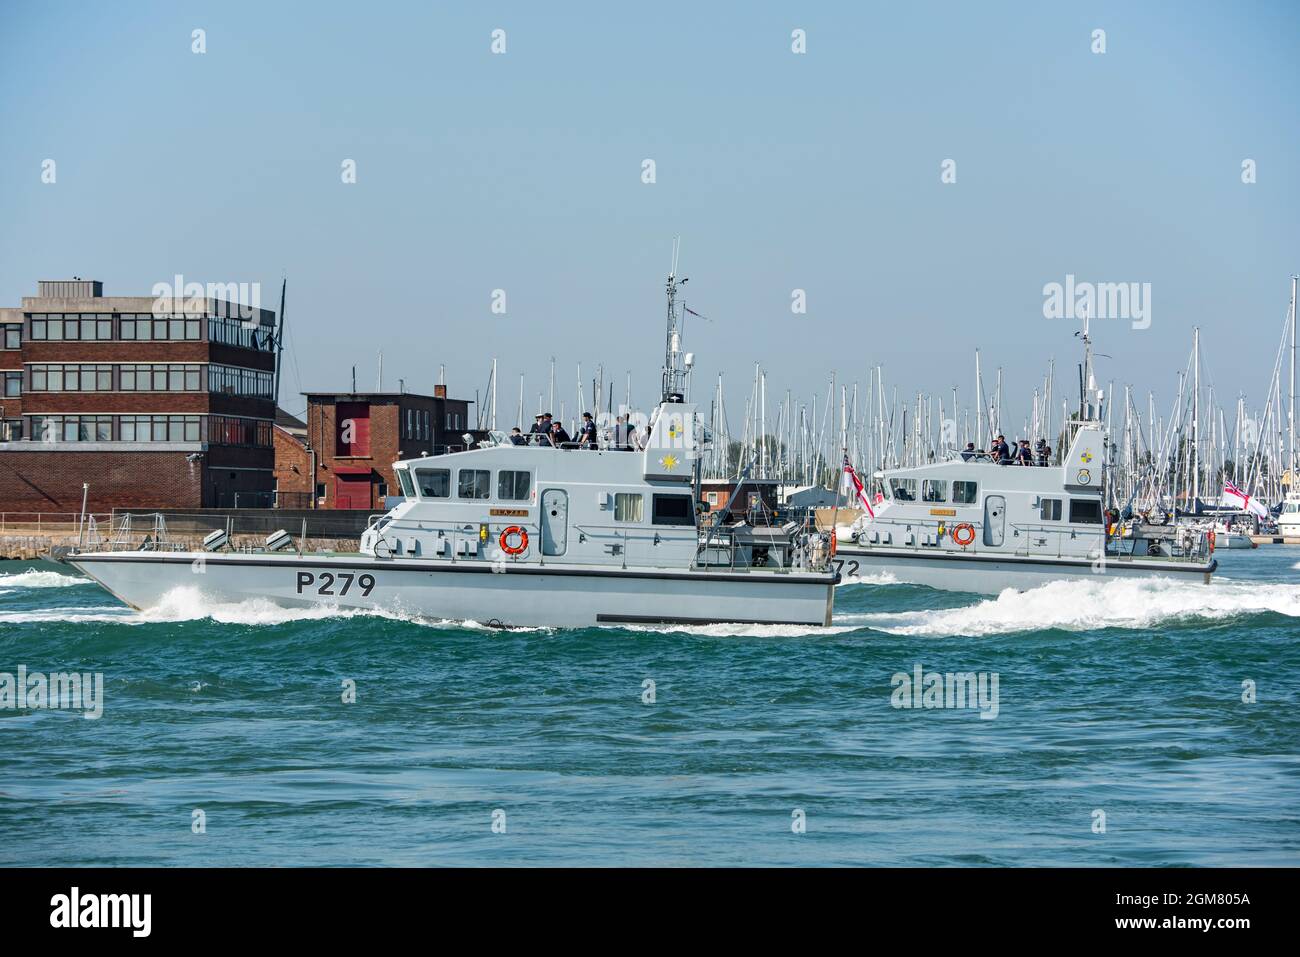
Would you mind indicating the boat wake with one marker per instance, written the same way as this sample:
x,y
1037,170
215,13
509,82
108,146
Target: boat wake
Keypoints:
x,y
1079,605
35,578
730,630
188,603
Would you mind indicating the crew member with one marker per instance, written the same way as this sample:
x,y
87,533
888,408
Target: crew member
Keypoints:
x,y
587,432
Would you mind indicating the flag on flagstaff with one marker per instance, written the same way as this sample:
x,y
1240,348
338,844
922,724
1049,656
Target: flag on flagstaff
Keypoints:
x,y
1239,499
851,476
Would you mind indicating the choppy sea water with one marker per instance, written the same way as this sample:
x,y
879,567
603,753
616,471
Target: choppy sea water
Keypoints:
x,y
1114,697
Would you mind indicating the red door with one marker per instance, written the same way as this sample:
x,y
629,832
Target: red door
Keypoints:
x,y
351,491
352,429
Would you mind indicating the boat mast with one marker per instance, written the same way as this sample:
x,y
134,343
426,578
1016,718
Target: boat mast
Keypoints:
x,y
1195,461
674,376
1291,464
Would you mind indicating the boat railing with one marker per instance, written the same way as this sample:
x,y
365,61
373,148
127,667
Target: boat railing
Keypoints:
x,y
1029,539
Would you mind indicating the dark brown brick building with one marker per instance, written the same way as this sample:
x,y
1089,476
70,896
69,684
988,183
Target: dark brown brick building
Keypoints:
x,y
154,401
354,438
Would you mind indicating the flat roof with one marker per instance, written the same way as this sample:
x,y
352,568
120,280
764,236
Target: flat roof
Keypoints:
x,y
381,395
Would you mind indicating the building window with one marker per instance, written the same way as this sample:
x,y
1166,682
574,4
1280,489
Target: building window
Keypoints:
x,y
513,486
1085,511
13,336
235,332
473,483
235,430
1049,509
73,428
433,483
236,380
13,384
11,430
425,417
934,490
963,493
629,507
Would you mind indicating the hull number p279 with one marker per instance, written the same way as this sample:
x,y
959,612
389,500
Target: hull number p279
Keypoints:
x,y
336,583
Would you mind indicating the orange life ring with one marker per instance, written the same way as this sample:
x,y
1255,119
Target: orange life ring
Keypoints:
x,y
834,539
514,549
963,534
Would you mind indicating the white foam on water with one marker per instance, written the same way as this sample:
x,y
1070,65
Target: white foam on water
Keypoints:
x,y
1083,605
35,578
75,615
873,578
736,630
189,603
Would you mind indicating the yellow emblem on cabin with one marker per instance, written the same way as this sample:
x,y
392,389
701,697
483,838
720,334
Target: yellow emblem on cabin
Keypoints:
x,y
669,462
675,429
1086,457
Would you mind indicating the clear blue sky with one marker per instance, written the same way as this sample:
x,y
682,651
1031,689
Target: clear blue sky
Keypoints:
x,y
780,171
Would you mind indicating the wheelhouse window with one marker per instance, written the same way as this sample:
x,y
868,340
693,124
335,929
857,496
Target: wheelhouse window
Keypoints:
x,y
964,493
934,490
904,489
629,507
513,486
1049,509
1085,511
433,483
404,479
672,510
473,483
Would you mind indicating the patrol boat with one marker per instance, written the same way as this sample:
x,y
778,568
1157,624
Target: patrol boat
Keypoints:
x,y
974,525
527,535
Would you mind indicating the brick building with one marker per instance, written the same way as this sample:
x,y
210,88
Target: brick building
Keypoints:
x,y
354,438
154,402
293,478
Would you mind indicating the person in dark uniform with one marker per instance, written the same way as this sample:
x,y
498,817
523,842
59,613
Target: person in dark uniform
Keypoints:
x,y
1024,455
1044,453
540,433
999,451
559,438
969,452
587,432
517,437
623,435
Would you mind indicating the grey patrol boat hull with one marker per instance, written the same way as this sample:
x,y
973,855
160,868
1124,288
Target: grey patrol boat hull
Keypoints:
x,y
501,593
990,574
